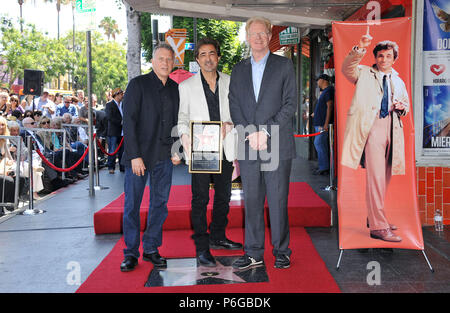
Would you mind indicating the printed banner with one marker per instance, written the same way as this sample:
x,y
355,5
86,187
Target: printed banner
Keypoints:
x,y
377,203
436,79
176,38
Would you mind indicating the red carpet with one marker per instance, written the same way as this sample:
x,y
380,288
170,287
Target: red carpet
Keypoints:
x,y
306,209
307,273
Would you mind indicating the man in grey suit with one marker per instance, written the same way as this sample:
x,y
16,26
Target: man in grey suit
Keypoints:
x,y
263,99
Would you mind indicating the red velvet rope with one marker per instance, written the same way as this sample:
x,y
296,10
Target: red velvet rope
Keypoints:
x,y
110,154
63,169
309,135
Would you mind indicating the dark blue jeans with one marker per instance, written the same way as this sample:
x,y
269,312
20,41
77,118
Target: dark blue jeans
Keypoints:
x,y
323,152
160,181
113,142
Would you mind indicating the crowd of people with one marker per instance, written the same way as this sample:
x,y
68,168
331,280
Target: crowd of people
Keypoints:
x,y
45,119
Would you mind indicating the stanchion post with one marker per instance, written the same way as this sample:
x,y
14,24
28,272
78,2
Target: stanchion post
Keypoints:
x,y
16,191
63,174
30,172
331,141
90,132
31,210
97,170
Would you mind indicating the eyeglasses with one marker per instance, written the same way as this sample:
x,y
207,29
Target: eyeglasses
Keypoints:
x,y
29,115
32,123
261,34
66,101
43,123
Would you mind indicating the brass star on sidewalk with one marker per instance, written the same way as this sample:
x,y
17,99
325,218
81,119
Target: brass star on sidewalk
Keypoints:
x,y
185,272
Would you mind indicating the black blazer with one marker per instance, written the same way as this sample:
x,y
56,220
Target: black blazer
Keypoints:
x,y
276,103
142,118
114,119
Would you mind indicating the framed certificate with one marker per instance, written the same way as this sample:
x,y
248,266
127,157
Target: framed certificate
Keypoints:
x,y
206,147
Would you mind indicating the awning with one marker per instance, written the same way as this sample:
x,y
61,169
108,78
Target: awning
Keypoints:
x,y
299,13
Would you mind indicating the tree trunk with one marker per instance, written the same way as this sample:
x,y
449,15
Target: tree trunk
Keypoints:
x,y
12,78
134,42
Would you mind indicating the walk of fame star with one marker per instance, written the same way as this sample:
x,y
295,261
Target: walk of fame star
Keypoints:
x,y
207,140
184,272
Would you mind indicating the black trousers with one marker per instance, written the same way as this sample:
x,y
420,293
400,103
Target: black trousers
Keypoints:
x,y
221,205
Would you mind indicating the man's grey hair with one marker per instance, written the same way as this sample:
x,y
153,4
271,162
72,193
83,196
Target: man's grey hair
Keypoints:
x,y
163,45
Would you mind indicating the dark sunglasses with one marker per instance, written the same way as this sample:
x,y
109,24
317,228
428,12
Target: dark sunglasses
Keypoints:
x,y
43,123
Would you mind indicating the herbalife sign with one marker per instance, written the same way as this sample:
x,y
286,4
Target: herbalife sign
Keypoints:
x,y
289,36
83,6
85,10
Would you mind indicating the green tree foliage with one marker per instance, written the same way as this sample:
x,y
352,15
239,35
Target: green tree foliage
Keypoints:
x,y
32,49
146,34
109,64
225,32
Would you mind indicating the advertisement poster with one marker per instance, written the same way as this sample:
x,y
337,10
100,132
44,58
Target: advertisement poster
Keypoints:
x,y
436,79
377,204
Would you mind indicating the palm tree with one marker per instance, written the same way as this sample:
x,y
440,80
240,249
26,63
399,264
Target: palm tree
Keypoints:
x,y
110,27
58,7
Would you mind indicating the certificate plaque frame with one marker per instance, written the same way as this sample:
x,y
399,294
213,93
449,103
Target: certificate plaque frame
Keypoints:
x,y
206,147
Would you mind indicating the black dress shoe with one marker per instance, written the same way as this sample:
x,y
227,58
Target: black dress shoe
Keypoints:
x,y
224,244
155,258
128,264
204,258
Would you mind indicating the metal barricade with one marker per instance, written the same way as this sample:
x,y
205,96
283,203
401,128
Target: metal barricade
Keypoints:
x,y
81,135
47,144
8,174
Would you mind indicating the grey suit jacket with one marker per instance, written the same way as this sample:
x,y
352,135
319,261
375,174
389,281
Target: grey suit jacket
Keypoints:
x,y
275,106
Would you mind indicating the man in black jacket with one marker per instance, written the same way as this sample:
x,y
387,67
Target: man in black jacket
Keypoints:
x,y
150,112
114,112
101,127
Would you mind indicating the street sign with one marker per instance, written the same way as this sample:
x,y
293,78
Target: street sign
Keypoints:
x,y
189,46
83,6
194,67
289,36
86,18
